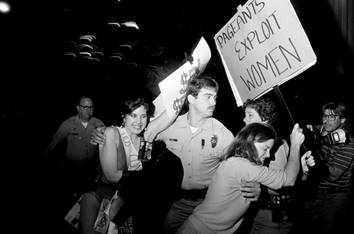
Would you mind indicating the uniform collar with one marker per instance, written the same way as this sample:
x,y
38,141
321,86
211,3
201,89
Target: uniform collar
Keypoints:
x,y
182,121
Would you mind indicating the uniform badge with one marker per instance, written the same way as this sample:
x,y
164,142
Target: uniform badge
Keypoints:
x,y
214,141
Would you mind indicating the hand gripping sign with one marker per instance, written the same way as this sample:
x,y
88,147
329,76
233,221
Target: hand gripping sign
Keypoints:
x,y
173,88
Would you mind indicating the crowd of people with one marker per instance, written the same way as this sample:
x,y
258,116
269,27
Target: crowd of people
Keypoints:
x,y
190,174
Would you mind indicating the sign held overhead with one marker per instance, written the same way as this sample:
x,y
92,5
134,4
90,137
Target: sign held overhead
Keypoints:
x,y
261,46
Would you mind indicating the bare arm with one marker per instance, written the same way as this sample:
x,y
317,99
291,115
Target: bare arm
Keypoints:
x,y
108,155
293,164
157,125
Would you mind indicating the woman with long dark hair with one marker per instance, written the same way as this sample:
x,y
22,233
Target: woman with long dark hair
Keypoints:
x,y
224,207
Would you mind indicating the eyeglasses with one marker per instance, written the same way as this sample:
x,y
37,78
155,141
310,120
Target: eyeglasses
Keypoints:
x,y
329,117
86,107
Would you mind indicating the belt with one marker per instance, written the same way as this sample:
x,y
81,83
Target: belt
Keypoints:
x,y
281,207
331,191
275,201
193,194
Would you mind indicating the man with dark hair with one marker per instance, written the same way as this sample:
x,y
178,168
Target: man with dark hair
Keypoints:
x,y
327,211
199,141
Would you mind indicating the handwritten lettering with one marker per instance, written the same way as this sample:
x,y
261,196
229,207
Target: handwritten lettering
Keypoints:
x,y
257,37
195,70
178,103
185,77
183,82
243,17
277,61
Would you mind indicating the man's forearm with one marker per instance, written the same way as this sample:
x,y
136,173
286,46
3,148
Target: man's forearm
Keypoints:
x,y
157,125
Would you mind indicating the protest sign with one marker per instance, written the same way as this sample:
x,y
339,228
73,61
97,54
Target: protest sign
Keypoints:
x,y
173,88
261,46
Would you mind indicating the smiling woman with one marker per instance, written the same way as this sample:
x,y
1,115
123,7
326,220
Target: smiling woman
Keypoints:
x,y
119,158
132,167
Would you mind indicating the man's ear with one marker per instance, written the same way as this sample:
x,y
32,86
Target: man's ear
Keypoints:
x,y
190,98
77,108
343,120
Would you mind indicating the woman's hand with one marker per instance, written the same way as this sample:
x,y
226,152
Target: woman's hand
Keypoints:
x,y
307,161
297,137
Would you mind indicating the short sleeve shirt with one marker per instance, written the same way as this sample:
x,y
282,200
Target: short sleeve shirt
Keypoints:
x,y
200,152
77,138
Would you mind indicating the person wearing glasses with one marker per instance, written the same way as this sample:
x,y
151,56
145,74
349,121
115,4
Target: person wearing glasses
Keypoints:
x,y
327,210
199,141
71,151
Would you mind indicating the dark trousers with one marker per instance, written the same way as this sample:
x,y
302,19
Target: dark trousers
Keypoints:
x,y
62,186
328,213
149,196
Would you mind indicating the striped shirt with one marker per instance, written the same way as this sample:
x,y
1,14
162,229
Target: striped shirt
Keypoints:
x,y
340,162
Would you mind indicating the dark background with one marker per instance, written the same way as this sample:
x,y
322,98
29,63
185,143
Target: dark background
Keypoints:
x,y
39,85
38,80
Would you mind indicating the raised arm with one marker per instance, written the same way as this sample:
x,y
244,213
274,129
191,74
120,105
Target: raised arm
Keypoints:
x,y
293,164
157,125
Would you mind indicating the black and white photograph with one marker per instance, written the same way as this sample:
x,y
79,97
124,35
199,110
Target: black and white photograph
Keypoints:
x,y
177,117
